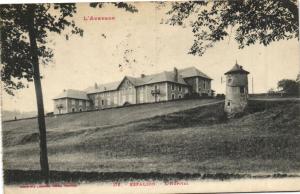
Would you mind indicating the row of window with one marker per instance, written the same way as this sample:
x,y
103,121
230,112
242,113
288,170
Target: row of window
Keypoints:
x,y
109,101
173,87
173,96
74,110
80,102
204,85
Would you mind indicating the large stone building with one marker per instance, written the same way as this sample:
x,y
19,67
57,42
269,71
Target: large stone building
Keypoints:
x,y
165,86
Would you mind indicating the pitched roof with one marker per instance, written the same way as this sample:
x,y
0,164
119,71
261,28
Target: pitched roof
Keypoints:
x,y
192,72
76,94
103,87
237,69
166,76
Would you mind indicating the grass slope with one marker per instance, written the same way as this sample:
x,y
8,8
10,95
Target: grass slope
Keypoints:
x,y
194,140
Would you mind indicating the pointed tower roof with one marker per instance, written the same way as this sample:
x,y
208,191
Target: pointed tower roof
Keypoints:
x,y
237,69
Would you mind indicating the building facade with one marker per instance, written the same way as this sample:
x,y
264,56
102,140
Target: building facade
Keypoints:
x,y
71,101
165,86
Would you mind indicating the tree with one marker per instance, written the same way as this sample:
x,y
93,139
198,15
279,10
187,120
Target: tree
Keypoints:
x,y
271,91
289,87
24,32
249,21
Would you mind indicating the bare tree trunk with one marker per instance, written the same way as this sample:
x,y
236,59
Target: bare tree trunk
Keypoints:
x,y
39,95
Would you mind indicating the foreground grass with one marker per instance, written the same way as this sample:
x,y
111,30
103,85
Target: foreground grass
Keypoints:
x,y
200,140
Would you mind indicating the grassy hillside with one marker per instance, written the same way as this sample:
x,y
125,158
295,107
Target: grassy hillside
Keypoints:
x,y
105,117
194,140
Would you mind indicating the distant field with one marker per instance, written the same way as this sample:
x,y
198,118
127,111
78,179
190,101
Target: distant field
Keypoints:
x,y
191,139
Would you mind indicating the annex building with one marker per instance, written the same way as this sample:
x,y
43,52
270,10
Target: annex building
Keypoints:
x,y
164,86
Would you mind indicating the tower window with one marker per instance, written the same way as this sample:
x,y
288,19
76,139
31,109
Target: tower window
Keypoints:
x,y
228,103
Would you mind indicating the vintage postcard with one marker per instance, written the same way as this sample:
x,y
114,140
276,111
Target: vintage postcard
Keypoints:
x,y
150,97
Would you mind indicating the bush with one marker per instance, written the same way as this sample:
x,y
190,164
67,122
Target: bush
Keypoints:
x,y
220,96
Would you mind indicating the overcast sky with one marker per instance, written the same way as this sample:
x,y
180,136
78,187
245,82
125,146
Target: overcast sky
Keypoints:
x,y
151,47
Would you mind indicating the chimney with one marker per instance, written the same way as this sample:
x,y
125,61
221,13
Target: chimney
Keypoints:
x,y
96,86
143,75
175,74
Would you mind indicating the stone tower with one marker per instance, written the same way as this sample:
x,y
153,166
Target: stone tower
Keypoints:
x,y
236,90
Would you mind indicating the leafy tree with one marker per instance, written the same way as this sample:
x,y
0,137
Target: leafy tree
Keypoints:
x,y
271,91
298,78
249,21
24,37
24,32
289,87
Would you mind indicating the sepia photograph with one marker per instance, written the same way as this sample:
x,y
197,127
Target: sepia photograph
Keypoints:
x,y
150,97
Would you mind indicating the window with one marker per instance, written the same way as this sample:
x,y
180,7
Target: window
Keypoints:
x,y
73,109
73,102
80,110
108,102
123,99
228,103
102,102
80,102
179,88
173,86
204,85
173,96
115,100
179,96
142,95
242,89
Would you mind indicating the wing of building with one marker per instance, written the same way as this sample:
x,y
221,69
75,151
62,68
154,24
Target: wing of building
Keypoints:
x,y
164,86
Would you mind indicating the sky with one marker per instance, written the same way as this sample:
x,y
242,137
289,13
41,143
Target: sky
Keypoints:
x,y
150,46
